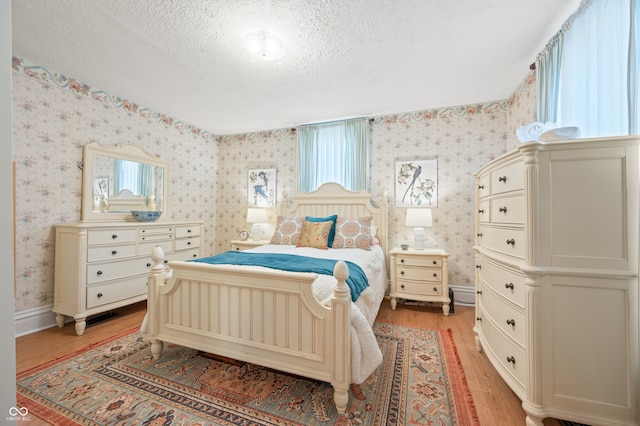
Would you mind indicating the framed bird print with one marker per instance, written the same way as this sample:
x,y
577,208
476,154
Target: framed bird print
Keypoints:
x,y
417,183
261,188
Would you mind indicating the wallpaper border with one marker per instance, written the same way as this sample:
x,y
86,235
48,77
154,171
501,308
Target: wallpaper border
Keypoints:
x,y
44,75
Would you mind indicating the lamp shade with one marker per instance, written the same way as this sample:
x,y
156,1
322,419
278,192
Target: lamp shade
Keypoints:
x,y
419,218
256,216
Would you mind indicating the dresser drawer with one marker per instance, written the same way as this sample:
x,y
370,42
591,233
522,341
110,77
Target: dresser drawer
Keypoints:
x,y
185,243
98,253
484,211
186,231
421,261
510,320
189,254
484,186
419,288
507,282
102,294
508,209
156,237
509,241
512,358
99,272
508,178
167,229
145,249
110,236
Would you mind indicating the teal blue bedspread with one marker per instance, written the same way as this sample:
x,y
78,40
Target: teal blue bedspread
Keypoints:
x,y
357,280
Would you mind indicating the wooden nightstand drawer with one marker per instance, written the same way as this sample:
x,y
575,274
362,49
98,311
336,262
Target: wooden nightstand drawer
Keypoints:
x,y
420,261
419,288
419,274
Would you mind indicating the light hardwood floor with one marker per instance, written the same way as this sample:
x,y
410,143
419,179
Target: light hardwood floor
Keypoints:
x,y
495,403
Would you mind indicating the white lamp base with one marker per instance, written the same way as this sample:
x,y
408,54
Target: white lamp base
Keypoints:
x,y
418,238
256,232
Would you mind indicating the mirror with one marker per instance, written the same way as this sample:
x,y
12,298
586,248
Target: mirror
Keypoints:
x,y
119,179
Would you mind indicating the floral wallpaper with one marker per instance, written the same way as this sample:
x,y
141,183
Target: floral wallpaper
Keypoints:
x,y
461,138
54,116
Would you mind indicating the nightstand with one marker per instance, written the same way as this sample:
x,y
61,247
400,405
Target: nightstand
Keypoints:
x,y
240,245
420,275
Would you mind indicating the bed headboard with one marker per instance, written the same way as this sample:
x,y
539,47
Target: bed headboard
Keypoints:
x,y
332,198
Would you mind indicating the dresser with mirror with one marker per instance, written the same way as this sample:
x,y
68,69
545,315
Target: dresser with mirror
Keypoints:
x,y
102,262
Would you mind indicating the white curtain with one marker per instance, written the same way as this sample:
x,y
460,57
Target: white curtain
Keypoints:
x,y
334,152
597,80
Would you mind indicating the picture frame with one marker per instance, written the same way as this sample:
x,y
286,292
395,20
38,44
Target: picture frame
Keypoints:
x,y
261,188
416,183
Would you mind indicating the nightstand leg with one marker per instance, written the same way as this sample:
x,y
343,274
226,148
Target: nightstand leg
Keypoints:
x,y
445,309
393,303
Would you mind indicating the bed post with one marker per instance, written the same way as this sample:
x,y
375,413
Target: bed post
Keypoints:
x,y
157,278
341,337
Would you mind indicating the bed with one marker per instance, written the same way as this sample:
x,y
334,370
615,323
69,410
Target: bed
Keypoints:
x,y
288,321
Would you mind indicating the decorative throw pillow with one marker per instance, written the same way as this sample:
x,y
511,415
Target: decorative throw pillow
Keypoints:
x,y
287,230
353,233
315,234
333,219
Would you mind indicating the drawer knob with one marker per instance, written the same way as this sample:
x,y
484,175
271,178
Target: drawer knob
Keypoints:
x,y
478,266
511,359
502,209
511,322
401,272
479,292
114,236
478,318
189,243
435,262
188,231
509,286
511,242
502,179
166,261
401,260
435,289
480,186
479,235
435,274
481,211
99,272
114,252
148,265
401,285
194,255
99,294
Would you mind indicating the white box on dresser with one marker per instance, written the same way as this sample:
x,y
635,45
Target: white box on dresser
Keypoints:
x,y
103,266
557,277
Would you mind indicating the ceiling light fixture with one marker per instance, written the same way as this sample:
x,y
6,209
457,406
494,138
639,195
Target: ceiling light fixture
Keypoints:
x,y
264,46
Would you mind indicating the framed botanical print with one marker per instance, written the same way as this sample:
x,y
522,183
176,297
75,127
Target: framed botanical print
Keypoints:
x,y
417,183
261,188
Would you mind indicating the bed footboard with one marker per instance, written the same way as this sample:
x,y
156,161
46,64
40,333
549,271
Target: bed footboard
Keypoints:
x,y
266,317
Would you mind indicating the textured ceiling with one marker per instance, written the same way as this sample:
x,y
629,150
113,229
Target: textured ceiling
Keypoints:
x,y
344,58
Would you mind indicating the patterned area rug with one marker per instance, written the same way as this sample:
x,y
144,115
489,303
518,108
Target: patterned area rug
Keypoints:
x,y
421,382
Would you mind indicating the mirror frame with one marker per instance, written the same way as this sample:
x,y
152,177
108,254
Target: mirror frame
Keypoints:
x,y
121,152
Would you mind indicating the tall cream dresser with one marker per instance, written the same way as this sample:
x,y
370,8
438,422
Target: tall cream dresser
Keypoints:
x,y
103,266
557,277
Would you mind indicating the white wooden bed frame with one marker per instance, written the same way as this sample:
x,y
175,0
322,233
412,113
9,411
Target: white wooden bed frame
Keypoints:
x,y
268,318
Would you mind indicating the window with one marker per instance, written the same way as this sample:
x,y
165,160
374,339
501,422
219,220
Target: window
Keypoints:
x,y
587,76
334,152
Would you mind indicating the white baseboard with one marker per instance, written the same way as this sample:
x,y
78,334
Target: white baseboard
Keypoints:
x,y
35,319
464,295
